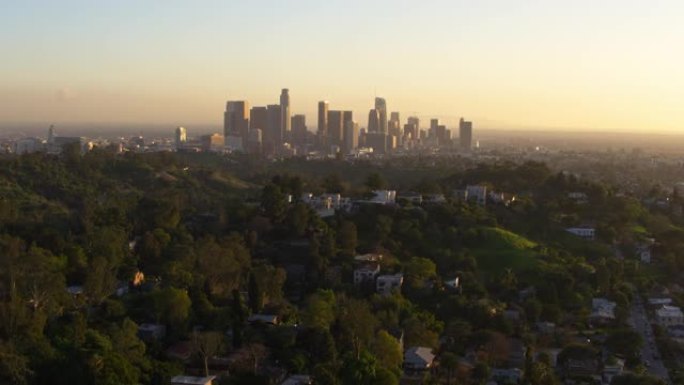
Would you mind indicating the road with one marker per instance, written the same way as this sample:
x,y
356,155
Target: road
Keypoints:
x,y
649,352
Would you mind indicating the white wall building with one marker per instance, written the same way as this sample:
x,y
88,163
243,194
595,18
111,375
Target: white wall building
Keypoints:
x,y
669,316
366,273
388,284
588,233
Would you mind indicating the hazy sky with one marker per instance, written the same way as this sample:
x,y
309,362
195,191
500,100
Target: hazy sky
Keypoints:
x,y
600,64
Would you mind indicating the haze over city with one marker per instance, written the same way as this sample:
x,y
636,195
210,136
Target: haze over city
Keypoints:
x,y
600,66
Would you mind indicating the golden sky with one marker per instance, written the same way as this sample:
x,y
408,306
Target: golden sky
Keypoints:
x,y
601,65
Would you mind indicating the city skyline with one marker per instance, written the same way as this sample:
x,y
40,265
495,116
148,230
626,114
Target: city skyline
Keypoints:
x,y
602,67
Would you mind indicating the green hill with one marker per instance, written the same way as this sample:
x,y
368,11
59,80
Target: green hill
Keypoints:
x,y
498,249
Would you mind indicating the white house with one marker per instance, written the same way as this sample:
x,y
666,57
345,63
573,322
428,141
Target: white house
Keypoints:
x,y
387,284
669,316
477,194
298,379
366,273
384,197
189,380
418,359
588,233
602,310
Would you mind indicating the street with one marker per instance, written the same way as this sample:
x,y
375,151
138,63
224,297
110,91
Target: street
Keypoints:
x,y
649,352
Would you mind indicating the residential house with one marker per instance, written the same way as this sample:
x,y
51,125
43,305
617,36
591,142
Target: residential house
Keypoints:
x,y
603,311
418,359
150,332
366,273
453,284
298,379
263,319
644,251
505,375
668,316
477,194
581,368
388,284
189,380
612,369
410,197
588,233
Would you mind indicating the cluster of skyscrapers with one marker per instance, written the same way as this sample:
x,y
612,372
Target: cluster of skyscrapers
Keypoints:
x,y
272,130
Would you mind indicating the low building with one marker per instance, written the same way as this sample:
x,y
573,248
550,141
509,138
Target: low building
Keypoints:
x,y
506,375
477,194
453,284
668,316
384,197
418,359
366,273
588,233
189,380
602,311
298,379
263,319
151,332
388,284
410,197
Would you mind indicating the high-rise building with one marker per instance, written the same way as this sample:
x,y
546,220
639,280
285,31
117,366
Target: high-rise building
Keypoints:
x,y
411,131
258,118
351,136
299,131
181,137
373,121
273,135
414,120
285,110
346,117
394,118
465,134
335,127
236,120
323,119
381,107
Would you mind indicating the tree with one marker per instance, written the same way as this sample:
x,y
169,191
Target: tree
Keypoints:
x,y
207,345
256,294
347,238
172,306
358,324
14,366
626,342
449,362
274,202
319,311
387,350
375,181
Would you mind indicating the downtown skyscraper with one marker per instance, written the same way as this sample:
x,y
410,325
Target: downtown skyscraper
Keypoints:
x,y
236,124
381,107
285,112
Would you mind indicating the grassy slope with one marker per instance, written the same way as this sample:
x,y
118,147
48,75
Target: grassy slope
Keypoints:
x,y
500,249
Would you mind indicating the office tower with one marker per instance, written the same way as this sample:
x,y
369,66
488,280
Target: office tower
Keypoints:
x,y
433,126
416,121
323,119
335,128
346,117
465,133
377,141
285,110
254,142
373,121
411,131
181,137
258,118
381,107
395,120
299,130
236,121
273,135
351,136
